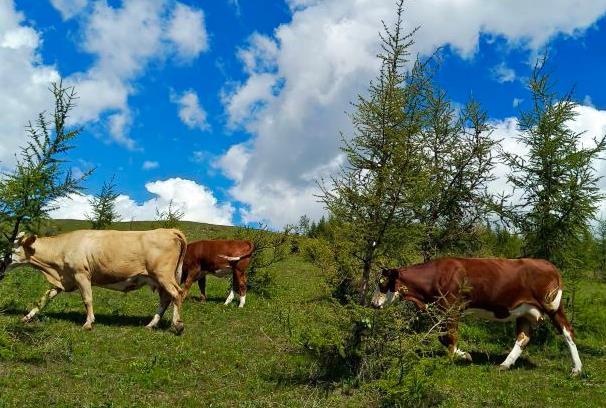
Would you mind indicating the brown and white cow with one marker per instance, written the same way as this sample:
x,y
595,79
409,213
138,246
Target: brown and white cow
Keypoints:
x,y
118,260
496,289
218,258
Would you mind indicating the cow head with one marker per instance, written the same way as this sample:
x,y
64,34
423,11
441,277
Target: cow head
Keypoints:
x,y
386,291
22,250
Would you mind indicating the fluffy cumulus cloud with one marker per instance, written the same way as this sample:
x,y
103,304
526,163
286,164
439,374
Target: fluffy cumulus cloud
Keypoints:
x,y
195,200
301,79
69,8
190,111
24,79
589,120
123,41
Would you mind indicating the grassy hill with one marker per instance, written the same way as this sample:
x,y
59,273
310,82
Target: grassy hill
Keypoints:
x,y
231,357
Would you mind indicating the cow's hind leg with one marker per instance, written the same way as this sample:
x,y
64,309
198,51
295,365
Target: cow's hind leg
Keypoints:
x,y
202,286
232,291
561,323
47,297
523,326
175,293
165,299
240,278
449,340
86,291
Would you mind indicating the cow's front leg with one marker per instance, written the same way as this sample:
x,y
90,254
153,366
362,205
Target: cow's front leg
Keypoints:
x,y
86,291
165,299
202,286
47,297
449,340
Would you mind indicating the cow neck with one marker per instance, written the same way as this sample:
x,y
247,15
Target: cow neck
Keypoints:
x,y
42,255
415,282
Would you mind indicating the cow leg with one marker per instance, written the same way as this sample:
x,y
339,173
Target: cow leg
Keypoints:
x,y
561,323
175,293
449,340
240,278
47,297
232,291
165,299
202,286
193,274
522,338
86,291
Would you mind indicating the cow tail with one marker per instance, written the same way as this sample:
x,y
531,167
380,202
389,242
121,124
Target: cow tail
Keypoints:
x,y
553,296
238,258
183,243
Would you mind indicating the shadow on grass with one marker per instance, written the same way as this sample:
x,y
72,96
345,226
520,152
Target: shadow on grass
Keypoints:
x,y
80,317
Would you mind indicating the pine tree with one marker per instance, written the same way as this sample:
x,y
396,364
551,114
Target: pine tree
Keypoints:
x,y
103,206
460,161
556,178
28,193
369,197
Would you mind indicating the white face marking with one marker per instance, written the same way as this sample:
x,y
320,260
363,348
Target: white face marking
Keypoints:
x,y
379,298
576,360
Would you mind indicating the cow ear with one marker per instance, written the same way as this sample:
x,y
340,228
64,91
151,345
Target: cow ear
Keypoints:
x,y
27,242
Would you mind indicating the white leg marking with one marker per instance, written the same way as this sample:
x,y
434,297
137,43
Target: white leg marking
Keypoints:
x,y
576,360
154,322
461,354
230,297
513,355
31,314
242,301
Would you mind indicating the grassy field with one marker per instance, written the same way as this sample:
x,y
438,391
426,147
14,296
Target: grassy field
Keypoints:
x,y
231,357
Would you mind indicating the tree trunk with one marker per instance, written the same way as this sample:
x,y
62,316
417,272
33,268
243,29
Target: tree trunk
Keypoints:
x,y
365,279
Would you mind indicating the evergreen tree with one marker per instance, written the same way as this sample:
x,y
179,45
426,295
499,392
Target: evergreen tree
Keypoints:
x,y
103,206
28,193
369,197
556,178
459,160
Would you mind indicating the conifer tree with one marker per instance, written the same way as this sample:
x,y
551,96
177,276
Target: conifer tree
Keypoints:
x,y
29,192
103,206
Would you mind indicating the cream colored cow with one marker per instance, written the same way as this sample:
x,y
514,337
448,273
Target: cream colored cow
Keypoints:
x,y
118,260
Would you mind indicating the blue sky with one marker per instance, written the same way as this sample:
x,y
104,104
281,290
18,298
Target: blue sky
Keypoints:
x,y
233,107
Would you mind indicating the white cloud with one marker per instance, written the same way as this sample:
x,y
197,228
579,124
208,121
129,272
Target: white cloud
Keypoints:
x,y
516,102
149,165
186,30
295,94
69,8
126,41
588,120
190,111
233,163
196,201
503,73
24,80
587,101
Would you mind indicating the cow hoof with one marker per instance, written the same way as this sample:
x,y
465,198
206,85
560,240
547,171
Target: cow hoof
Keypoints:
x,y
178,328
576,372
150,327
467,357
503,367
202,299
26,319
87,326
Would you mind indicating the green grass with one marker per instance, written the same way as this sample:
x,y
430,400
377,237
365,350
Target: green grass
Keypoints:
x,y
231,357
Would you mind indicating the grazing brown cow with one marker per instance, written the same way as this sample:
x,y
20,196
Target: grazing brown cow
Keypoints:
x,y
118,260
219,258
495,289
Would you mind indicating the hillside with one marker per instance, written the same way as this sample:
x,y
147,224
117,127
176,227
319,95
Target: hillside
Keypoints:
x,y
231,357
